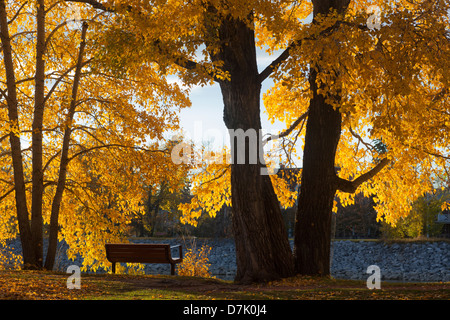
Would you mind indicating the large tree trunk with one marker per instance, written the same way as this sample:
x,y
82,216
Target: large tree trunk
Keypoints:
x,y
318,187
319,182
262,249
29,257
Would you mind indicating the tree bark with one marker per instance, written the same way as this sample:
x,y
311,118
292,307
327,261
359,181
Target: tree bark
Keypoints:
x,y
318,187
56,204
263,252
319,184
29,258
36,139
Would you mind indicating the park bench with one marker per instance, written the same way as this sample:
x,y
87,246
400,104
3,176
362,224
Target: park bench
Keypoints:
x,y
142,253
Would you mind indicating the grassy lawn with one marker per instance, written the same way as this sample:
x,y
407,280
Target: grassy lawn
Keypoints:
x,y
38,285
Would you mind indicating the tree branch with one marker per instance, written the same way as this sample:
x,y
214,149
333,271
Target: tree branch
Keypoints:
x,y
224,170
275,63
62,24
297,43
6,136
49,93
7,193
179,61
434,154
7,153
351,186
3,92
288,130
112,145
53,157
17,13
360,139
186,63
94,4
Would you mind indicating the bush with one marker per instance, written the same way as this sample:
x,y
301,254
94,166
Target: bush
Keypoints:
x,y
196,262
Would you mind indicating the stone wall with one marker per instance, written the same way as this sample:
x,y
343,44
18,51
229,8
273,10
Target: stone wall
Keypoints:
x,y
399,261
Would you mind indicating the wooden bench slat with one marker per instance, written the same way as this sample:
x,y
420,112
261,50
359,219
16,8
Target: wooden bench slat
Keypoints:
x,y
140,253
139,259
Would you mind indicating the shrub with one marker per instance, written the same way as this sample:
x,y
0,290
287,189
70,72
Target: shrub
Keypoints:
x,y
196,262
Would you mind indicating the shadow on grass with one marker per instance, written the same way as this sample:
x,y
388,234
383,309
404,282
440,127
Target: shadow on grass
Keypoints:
x,y
32,285
295,288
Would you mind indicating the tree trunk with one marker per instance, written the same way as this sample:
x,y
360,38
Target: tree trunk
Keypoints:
x,y
36,143
29,258
263,252
318,187
319,182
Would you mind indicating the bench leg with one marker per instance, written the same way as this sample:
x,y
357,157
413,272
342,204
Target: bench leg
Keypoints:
x,y
113,267
172,269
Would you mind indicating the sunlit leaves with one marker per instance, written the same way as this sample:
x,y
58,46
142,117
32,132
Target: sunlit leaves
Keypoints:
x,y
389,84
211,189
118,143
196,262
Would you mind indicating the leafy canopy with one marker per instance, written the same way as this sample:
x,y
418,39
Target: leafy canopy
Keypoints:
x,y
390,84
118,142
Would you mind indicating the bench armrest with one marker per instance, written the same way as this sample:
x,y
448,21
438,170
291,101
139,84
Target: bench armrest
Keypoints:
x,y
180,250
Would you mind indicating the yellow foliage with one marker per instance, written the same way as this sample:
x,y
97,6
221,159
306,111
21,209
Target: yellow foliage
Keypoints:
x,y
8,259
211,187
118,143
389,84
196,262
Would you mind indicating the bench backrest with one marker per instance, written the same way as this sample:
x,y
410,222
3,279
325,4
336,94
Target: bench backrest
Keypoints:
x,y
139,253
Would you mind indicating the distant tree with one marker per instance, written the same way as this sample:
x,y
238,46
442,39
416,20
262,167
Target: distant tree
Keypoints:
x,y
162,199
217,227
421,222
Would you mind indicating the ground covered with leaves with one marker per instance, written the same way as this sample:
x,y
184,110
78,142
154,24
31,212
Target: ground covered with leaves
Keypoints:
x,y
38,285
